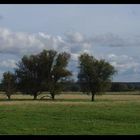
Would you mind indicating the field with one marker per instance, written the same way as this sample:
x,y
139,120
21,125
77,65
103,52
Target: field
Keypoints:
x,y
70,114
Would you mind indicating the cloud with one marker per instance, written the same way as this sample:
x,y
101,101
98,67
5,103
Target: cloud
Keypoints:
x,y
124,64
20,43
75,43
108,39
115,40
9,63
75,37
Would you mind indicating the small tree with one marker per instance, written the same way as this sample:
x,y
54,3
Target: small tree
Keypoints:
x,y
95,75
9,83
27,74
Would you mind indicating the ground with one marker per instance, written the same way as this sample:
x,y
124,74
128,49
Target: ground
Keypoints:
x,y
72,114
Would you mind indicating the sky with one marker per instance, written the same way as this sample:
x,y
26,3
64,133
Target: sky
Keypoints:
x,y
106,31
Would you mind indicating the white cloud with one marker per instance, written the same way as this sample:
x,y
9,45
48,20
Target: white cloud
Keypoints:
x,y
75,37
18,42
124,63
114,40
112,56
9,63
74,56
21,43
75,43
108,39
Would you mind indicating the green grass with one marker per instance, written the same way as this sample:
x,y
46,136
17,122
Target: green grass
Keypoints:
x,y
72,115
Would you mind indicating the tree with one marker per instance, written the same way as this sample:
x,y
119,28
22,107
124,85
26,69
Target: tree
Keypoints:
x,y
28,76
95,75
54,70
42,72
9,83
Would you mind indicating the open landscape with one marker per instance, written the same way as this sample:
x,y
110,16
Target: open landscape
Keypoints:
x,y
69,69
71,114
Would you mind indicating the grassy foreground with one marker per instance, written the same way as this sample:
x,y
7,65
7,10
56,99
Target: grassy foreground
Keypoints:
x,y
71,114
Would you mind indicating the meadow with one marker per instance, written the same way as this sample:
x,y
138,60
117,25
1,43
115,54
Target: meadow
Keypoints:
x,y
71,114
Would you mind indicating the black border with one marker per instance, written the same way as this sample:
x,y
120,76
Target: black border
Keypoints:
x,y
69,2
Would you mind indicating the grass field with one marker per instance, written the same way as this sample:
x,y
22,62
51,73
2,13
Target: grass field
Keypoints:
x,y
70,114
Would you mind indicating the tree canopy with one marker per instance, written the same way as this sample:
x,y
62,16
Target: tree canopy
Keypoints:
x,y
94,75
42,72
9,83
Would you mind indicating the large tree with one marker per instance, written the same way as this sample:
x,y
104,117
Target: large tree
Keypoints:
x,y
94,75
9,83
54,70
42,72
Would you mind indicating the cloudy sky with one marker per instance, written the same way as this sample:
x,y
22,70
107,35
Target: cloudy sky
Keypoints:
x,y
110,32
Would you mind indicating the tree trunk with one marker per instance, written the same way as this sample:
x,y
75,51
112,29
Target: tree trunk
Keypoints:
x,y
93,97
35,96
52,96
9,97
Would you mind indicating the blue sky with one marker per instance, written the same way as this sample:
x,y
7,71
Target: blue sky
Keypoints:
x,y
110,32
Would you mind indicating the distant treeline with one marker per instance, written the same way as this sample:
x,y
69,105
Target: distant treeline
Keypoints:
x,y
115,86
125,86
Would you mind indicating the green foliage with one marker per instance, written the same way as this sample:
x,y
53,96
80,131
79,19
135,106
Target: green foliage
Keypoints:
x,y
119,87
9,83
71,85
42,72
94,75
53,70
125,86
28,76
